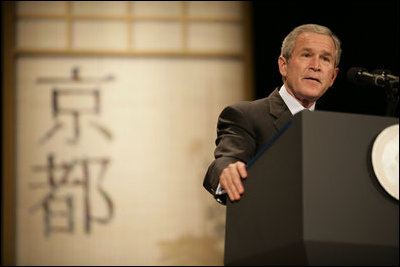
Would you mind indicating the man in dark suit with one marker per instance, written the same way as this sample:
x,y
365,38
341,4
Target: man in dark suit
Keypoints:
x,y
308,63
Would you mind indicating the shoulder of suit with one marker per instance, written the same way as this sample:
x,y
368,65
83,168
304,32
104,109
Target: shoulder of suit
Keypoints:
x,y
258,103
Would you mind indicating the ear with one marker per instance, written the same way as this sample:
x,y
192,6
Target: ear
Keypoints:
x,y
334,75
282,63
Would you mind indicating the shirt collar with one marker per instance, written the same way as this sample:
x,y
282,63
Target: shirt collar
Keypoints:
x,y
292,103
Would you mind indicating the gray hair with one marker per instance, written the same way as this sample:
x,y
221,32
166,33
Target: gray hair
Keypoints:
x,y
289,42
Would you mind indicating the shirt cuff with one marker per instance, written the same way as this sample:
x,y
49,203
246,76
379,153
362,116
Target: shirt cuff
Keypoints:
x,y
220,190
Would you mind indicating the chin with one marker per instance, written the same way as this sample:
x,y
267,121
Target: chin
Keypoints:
x,y
310,95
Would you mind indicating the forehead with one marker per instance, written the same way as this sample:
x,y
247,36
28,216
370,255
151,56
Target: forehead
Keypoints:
x,y
315,41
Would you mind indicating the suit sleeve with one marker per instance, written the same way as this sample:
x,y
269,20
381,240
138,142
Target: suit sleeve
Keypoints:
x,y
235,142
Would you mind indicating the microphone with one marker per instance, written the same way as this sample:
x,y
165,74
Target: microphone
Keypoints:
x,y
380,78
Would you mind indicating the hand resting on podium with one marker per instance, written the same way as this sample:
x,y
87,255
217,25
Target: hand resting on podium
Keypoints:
x,y
231,180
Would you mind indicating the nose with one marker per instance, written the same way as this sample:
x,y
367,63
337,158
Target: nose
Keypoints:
x,y
315,64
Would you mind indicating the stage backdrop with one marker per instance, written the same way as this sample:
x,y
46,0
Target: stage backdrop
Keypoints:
x,y
116,129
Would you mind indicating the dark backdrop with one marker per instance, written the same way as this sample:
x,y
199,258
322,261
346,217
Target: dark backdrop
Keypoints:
x,y
369,32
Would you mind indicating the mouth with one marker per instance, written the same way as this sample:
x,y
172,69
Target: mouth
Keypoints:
x,y
313,79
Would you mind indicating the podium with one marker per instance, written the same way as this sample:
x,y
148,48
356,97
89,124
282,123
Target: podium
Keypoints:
x,y
312,198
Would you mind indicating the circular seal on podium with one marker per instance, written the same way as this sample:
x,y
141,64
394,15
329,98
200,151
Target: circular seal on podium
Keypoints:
x,y
385,159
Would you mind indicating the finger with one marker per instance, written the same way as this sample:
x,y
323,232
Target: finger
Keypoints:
x,y
226,182
242,169
236,182
231,194
238,186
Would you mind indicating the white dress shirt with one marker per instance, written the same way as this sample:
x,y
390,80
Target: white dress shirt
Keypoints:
x,y
292,103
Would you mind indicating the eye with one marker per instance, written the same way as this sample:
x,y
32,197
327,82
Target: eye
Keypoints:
x,y
326,59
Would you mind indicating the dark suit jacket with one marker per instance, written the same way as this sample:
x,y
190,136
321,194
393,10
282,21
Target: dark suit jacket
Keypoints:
x,y
243,129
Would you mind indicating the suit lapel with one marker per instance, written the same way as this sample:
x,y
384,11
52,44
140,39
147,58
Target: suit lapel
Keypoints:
x,y
279,110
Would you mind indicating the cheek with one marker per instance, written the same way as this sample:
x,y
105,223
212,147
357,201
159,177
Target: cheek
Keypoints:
x,y
294,74
295,69
331,79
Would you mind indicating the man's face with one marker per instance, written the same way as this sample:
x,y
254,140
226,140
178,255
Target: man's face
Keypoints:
x,y
310,71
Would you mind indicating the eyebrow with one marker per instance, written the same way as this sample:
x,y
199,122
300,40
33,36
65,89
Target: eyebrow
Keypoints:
x,y
324,52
